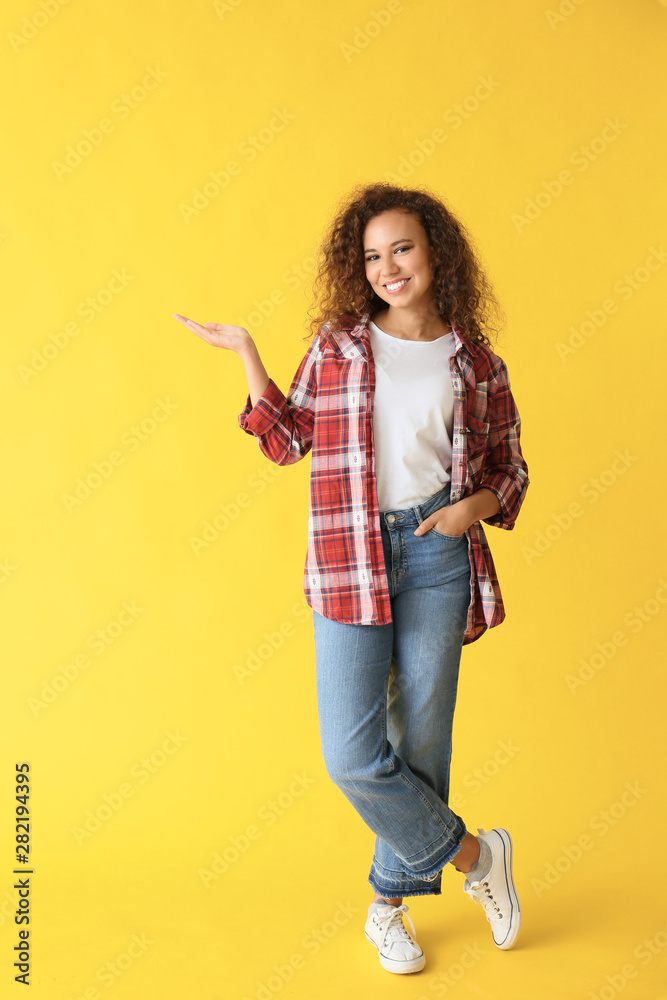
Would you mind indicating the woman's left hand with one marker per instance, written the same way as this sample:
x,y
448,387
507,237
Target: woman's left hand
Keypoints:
x,y
450,520
456,518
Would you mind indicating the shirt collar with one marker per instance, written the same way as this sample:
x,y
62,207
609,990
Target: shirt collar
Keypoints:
x,y
360,330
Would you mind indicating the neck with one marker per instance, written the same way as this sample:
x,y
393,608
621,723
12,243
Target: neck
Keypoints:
x,y
420,323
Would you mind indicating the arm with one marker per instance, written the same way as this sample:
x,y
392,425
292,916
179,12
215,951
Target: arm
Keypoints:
x,y
282,425
284,430
504,476
255,371
480,505
505,472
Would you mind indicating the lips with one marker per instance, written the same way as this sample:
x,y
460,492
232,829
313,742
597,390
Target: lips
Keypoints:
x,y
396,286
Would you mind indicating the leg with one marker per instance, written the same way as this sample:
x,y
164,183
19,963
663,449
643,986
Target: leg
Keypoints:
x,y
470,846
468,855
429,611
352,675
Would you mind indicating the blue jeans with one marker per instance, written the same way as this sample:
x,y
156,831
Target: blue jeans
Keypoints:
x,y
386,697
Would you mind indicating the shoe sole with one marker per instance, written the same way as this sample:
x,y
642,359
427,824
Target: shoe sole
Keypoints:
x,y
515,918
416,965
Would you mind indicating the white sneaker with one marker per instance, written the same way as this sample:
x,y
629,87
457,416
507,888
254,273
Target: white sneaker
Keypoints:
x,y
496,892
397,949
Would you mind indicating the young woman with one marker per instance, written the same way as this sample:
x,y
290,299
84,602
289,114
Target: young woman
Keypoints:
x,y
415,441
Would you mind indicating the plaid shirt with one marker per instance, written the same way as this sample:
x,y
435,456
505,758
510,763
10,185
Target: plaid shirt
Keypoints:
x,y
329,408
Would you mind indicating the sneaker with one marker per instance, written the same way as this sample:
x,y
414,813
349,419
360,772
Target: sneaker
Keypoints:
x,y
397,949
496,891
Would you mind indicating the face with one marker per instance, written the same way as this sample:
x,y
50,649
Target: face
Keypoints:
x,y
397,255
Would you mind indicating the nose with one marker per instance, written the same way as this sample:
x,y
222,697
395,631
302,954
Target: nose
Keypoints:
x,y
390,275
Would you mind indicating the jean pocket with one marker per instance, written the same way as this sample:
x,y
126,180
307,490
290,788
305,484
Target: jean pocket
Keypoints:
x,y
441,534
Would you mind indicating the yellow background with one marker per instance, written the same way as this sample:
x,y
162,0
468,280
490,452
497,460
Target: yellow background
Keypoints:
x,y
219,650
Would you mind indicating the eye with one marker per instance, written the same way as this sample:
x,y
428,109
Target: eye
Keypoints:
x,y
374,255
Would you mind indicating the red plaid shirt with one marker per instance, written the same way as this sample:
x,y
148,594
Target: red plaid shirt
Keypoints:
x,y
329,409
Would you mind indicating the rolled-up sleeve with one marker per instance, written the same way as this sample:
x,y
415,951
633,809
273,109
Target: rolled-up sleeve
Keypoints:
x,y
505,471
283,425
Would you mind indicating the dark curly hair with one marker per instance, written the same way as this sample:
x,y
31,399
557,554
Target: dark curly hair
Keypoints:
x,y
463,294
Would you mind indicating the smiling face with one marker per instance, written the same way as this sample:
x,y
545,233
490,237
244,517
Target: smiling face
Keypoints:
x,y
397,255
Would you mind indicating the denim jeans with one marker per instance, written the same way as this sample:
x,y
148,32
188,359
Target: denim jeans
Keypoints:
x,y
386,697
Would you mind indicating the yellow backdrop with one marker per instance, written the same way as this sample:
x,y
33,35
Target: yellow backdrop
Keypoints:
x,y
185,839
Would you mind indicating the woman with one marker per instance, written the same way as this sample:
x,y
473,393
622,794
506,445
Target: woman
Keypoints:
x,y
415,440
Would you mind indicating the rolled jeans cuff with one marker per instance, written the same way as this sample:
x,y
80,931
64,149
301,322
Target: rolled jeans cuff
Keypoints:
x,y
393,883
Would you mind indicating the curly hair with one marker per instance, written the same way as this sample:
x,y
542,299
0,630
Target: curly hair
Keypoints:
x,y
463,295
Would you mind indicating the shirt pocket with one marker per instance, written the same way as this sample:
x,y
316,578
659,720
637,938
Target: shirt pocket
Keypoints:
x,y
477,432
477,400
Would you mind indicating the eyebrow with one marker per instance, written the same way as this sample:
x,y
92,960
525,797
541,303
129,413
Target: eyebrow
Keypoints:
x,y
406,239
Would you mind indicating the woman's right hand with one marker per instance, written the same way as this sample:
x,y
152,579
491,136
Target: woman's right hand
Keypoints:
x,y
234,338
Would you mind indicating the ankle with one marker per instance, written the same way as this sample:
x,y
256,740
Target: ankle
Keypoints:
x,y
468,856
394,901
483,864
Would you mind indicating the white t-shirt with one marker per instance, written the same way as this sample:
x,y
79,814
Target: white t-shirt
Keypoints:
x,y
413,417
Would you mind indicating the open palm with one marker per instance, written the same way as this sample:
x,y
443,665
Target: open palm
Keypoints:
x,y
234,338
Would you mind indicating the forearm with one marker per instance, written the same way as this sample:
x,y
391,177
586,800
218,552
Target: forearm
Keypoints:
x,y
480,504
282,426
256,374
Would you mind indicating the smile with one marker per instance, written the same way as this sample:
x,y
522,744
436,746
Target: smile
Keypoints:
x,y
396,286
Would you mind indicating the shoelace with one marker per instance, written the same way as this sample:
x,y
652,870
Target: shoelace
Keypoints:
x,y
481,894
392,921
